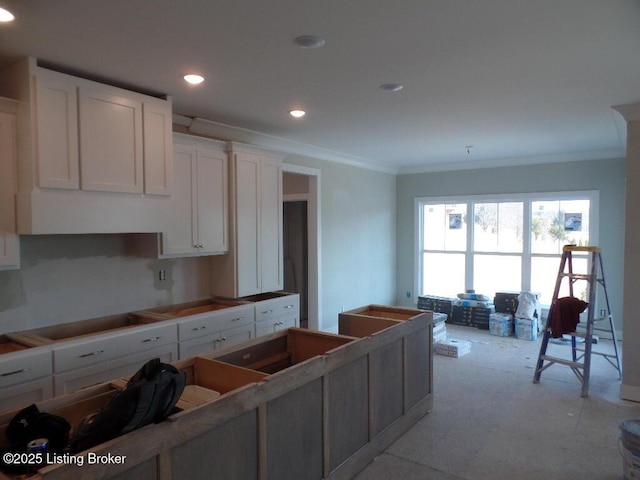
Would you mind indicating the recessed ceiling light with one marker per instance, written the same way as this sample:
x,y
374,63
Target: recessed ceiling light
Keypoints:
x,y
6,15
309,41
391,87
193,79
297,113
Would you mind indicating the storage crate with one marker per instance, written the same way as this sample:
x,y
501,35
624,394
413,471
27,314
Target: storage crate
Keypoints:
x,y
526,329
501,324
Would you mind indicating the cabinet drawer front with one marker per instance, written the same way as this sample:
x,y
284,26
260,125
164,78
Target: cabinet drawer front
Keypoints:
x,y
122,367
277,307
19,396
235,317
207,324
24,368
196,326
90,352
198,346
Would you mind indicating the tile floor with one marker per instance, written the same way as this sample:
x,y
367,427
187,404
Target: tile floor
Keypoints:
x,y
491,422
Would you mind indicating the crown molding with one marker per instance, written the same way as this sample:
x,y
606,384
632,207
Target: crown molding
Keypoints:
x,y
221,131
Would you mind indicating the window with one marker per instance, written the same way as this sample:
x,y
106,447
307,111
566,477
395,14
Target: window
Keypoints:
x,y
501,243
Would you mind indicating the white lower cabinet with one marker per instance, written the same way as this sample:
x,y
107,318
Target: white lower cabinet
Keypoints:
x,y
209,343
100,358
277,314
103,372
271,326
23,394
25,377
213,330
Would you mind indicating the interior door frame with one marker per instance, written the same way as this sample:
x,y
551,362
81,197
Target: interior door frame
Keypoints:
x,y
312,198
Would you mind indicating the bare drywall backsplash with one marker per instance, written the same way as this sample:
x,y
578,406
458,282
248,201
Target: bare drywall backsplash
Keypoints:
x,y
73,277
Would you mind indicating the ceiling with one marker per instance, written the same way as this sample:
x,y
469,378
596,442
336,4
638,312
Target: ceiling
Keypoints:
x,y
519,81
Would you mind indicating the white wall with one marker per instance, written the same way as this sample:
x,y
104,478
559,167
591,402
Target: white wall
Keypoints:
x,y
73,277
357,238
606,176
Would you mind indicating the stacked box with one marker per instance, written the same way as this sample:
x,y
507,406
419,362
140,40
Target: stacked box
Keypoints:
x,y
526,329
471,316
501,324
506,302
439,327
435,304
453,348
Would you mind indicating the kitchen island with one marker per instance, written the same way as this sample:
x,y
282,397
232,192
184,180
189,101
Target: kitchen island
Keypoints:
x,y
295,404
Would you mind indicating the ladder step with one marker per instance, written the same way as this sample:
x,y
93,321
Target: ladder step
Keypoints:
x,y
578,276
562,361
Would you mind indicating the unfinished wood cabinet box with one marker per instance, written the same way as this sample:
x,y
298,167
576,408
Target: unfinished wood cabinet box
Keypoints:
x,y
273,353
400,368
295,404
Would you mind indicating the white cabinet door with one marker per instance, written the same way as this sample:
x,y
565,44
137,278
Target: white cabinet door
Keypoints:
x,y
9,244
158,152
236,335
181,239
56,136
271,226
254,264
111,150
247,218
211,186
200,219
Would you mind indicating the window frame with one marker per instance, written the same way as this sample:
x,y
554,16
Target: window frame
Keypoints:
x,y
527,198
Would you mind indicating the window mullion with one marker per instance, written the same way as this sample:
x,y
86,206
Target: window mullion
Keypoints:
x,y
468,273
526,246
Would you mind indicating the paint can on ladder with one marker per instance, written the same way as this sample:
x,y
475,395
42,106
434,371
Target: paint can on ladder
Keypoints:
x,y
629,444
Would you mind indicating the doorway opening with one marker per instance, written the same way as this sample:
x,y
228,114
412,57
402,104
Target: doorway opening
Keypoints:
x,y
301,235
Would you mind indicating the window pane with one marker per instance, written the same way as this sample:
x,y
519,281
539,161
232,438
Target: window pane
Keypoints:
x,y
443,274
445,227
544,274
557,223
498,227
496,273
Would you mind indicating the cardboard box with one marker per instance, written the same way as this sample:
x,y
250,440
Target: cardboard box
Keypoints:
x,y
501,324
526,329
453,348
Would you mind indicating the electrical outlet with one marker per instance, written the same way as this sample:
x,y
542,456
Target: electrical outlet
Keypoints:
x,y
162,275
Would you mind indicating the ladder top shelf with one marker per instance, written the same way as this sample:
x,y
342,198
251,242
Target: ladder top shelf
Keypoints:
x,y
576,248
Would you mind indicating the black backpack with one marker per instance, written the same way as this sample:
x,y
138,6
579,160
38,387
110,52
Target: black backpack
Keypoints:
x,y
31,424
149,397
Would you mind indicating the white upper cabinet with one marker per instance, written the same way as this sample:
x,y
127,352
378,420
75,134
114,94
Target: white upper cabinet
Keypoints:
x,y
158,146
9,244
56,133
199,214
254,264
81,141
110,141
